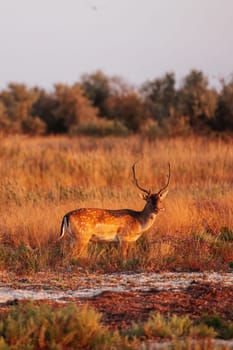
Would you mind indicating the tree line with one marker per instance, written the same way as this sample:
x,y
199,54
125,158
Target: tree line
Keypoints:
x,y
102,105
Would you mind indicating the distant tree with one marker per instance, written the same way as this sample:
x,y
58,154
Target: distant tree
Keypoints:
x,y
224,112
119,86
73,105
160,97
127,108
96,88
4,120
197,100
45,107
17,101
64,109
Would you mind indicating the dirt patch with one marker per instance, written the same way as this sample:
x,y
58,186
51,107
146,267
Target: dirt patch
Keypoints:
x,y
121,309
125,298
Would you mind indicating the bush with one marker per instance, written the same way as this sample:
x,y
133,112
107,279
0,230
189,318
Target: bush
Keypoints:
x,y
39,327
223,328
171,327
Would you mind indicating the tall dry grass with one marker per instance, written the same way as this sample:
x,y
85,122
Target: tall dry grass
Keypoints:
x,y
43,178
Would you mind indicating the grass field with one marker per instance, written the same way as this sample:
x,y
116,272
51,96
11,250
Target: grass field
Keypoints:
x,y
43,178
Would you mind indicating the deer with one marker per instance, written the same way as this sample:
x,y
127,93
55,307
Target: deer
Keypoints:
x,y
122,225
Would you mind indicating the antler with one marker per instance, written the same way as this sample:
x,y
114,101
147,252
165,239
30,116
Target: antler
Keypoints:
x,y
168,179
135,181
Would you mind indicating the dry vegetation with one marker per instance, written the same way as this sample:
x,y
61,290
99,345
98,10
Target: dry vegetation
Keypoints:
x,y
43,178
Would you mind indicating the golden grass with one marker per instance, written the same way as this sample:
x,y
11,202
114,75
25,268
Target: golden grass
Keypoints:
x,y
43,178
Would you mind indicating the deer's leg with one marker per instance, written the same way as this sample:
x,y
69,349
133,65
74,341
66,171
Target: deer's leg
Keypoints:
x,y
80,248
124,245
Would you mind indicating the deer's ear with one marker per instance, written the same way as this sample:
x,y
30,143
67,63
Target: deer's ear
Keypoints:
x,y
144,196
163,195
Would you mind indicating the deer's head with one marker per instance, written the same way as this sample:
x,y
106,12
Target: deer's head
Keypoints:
x,y
153,200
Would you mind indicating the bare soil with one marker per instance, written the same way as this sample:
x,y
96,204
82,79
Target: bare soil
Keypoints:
x,y
125,298
121,309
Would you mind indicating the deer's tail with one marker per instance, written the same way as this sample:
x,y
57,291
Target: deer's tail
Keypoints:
x,y
64,227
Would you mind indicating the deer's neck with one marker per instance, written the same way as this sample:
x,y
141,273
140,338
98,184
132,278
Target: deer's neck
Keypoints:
x,y
147,217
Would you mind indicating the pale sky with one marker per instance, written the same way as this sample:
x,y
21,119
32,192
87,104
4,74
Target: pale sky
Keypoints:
x,y
43,42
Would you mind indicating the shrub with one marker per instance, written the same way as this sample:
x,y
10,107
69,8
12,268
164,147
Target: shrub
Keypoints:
x,y
39,327
172,326
223,328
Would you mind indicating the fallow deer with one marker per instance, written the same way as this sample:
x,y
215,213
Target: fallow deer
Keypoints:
x,y
123,225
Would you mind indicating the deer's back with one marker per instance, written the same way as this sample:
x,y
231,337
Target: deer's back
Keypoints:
x,y
97,216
